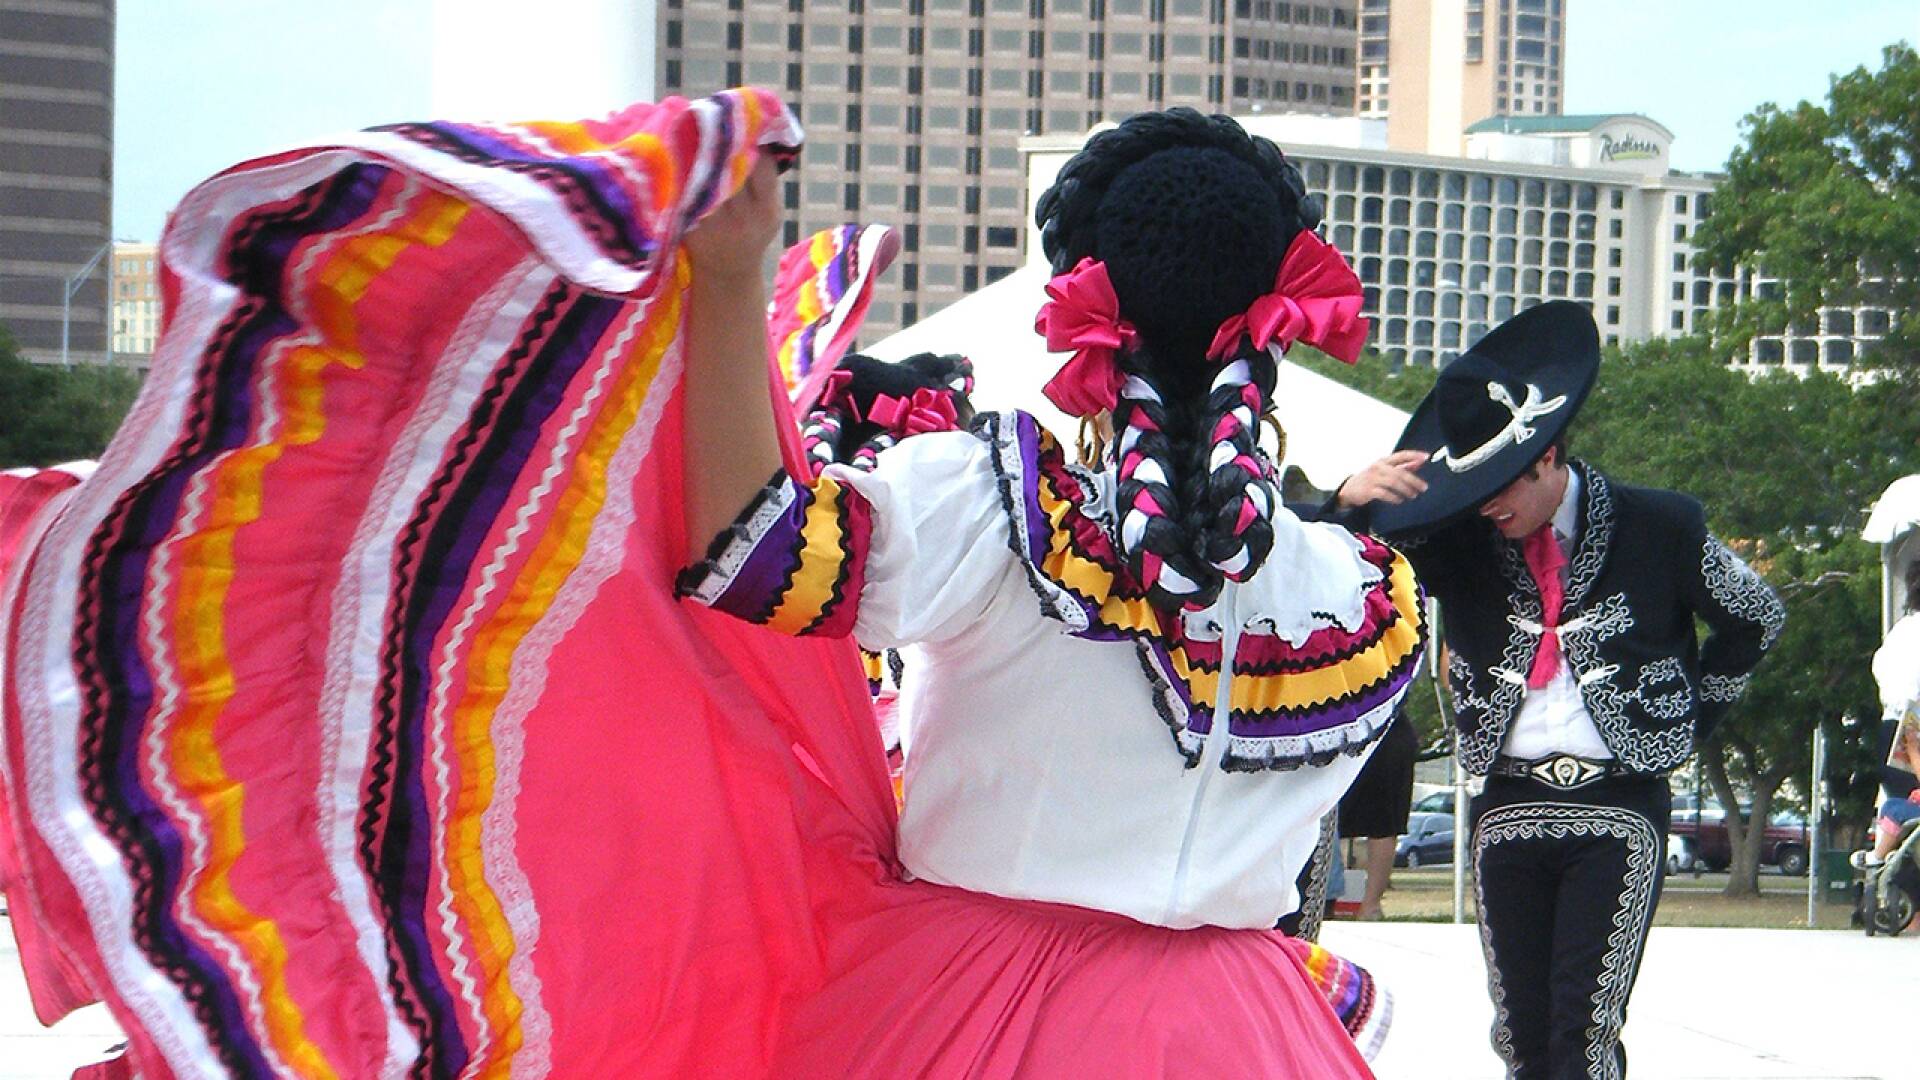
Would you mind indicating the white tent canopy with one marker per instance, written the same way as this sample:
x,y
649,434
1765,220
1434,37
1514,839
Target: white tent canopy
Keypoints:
x,y
1332,430
1894,524
1895,512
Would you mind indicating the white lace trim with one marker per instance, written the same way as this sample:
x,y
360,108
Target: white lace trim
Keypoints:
x,y
1736,587
722,569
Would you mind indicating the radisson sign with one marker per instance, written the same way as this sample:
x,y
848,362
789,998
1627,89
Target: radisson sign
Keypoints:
x,y
1627,148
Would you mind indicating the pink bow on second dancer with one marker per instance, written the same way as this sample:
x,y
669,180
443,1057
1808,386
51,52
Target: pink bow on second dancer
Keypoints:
x,y
1316,298
1083,314
926,410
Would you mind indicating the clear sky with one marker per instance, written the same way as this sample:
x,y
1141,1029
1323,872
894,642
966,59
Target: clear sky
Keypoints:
x,y
203,84
1700,66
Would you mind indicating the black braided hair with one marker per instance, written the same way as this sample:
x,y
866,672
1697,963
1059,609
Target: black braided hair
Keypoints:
x,y
1191,216
836,430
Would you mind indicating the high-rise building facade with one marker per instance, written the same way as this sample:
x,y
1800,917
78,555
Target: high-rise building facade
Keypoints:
x,y
134,280
56,174
1433,68
914,108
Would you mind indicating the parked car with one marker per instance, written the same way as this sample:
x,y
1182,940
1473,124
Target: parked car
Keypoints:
x,y
1428,841
1784,841
1440,802
1679,854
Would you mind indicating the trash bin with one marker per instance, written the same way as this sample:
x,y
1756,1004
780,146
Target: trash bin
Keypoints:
x,y
1836,877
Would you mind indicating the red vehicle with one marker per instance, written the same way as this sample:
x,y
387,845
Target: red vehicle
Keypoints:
x,y
1704,829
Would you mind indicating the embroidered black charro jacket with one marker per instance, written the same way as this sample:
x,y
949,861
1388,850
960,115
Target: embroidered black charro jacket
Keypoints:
x,y
1643,567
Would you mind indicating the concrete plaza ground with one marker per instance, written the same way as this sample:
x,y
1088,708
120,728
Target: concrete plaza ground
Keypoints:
x,y
1711,1005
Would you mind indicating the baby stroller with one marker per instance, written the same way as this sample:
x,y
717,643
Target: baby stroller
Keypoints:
x,y
1892,891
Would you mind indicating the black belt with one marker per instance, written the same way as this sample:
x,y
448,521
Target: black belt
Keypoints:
x,y
1563,771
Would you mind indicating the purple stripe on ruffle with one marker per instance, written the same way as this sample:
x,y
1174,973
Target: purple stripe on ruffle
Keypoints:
x,y
516,433
1165,660
1326,717
839,269
1027,436
716,153
769,566
124,575
588,169
804,358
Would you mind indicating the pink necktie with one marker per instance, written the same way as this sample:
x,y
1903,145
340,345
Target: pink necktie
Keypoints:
x,y
1545,559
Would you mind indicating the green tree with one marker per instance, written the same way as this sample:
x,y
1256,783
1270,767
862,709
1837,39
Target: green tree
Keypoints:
x,y
50,414
1399,385
1826,198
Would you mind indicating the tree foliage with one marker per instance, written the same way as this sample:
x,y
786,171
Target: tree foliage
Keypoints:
x,y
1826,198
50,414
1401,386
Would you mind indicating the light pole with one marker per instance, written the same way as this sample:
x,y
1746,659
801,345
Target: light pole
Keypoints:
x,y
73,284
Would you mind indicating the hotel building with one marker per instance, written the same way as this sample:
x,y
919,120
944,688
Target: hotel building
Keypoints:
x,y
1580,208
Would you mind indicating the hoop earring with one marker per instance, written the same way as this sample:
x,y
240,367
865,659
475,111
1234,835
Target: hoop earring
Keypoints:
x,y
1272,420
1089,444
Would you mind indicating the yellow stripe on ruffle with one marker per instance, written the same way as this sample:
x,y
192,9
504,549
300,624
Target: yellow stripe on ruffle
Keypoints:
x,y
1085,577
555,555
199,620
1335,682
822,561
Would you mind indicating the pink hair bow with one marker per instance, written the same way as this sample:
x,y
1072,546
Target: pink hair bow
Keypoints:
x,y
1083,314
927,409
838,391
1316,298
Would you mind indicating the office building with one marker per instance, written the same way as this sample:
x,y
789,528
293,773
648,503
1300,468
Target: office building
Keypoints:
x,y
914,109
1433,68
134,283
56,174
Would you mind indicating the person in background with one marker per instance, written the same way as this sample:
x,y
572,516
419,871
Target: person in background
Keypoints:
x,y
1375,808
1896,667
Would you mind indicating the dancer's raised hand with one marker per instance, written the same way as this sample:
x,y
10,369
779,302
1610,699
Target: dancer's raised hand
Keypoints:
x,y
731,242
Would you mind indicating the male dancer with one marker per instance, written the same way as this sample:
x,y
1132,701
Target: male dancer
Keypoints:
x,y
1568,606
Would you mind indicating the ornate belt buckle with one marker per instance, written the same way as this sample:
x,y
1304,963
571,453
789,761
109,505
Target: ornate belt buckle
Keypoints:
x,y
1566,772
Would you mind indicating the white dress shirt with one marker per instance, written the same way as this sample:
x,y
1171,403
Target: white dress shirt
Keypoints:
x,y
1554,718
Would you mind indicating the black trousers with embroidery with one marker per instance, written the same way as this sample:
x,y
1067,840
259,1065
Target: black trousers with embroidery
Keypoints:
x,y
1566,882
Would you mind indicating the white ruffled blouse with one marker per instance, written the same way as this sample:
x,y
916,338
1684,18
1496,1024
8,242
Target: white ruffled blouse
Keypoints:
x,y
1067,742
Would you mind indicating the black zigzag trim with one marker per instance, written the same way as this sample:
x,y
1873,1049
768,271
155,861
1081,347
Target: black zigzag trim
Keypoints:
x,y
687,582
843,517
471,503
1351,747
1320,660
987,429
1159,687
583,201
384,761
109,615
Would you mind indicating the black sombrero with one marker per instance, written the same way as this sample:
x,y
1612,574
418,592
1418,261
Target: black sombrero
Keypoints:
x,y
1494,411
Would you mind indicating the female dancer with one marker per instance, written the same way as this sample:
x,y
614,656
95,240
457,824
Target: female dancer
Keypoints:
x,y
1139,684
